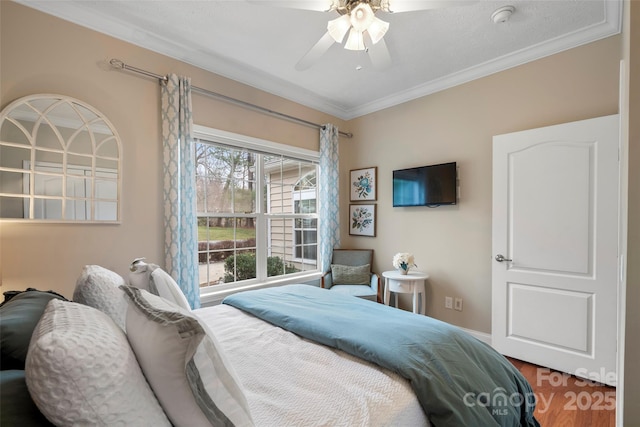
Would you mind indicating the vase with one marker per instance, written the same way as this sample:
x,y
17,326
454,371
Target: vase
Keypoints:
x,y
403,271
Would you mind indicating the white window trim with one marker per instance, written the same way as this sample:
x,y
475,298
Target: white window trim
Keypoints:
x,y
215,296
255,144
297,196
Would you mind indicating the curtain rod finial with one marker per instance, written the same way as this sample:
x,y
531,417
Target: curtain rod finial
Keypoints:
x,y
116,63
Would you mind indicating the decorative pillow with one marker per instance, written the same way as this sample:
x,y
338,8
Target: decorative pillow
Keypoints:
x,y
99,288
140,274
157,281
10,294
184,364
18,318
348,275
16,406
80,370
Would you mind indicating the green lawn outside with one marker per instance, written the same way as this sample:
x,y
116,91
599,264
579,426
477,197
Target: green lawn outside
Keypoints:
x,y
225,233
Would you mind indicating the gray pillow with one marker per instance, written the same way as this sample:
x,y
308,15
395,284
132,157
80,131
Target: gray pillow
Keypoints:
x,y
350,275
18,318
16,406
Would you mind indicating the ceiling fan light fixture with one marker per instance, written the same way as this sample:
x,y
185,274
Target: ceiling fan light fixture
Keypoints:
x,y
355,40
338,27
377,30
361,17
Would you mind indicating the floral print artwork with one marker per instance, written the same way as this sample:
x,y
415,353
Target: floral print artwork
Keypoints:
x,y
363,184
362,220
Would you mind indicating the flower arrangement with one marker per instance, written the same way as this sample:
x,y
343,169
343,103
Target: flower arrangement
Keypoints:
x,y
403,261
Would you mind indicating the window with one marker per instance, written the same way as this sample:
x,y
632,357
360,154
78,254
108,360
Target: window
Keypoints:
x,y
256,210
305,231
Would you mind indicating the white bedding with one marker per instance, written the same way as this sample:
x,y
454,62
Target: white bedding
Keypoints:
x,y
290,381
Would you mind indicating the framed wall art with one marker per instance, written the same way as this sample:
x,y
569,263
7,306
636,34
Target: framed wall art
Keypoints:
x,y
364,184
362,220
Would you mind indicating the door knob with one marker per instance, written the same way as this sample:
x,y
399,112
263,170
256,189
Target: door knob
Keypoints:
x,y
501,258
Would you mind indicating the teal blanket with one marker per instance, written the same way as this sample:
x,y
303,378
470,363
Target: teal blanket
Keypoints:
x,y
459,380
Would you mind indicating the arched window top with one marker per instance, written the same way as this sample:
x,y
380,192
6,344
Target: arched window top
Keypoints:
x,y
306,182
60,159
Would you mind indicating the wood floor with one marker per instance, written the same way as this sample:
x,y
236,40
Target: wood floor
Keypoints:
x,y
565,401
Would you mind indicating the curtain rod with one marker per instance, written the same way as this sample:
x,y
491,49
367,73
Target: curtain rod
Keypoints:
x,y
116,63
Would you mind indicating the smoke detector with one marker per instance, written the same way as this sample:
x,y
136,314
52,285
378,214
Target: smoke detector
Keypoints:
x,y
502,14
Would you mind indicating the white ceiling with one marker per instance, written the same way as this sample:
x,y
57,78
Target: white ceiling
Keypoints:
x,y
259,45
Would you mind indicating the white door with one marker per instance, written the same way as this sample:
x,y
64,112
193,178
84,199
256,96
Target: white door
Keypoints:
x,y
555,226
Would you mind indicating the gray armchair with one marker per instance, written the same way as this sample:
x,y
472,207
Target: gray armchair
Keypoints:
x,y
349,274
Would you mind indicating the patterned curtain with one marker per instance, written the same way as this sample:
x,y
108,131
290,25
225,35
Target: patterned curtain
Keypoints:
x,y
329,207
181,234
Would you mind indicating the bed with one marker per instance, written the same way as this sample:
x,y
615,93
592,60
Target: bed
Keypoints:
x,y
294,355
411,368
292,381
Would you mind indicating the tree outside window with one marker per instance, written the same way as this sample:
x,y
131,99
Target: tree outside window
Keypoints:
x,y
257,216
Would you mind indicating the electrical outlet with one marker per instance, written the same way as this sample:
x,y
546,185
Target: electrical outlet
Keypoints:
x,y
458,304
448,302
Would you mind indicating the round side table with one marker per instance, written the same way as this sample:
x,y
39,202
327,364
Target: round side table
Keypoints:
x,y
411,283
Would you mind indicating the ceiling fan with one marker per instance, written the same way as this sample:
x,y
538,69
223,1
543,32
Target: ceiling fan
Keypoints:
x,y
357,19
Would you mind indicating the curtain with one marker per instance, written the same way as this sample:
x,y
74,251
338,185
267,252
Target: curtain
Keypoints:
x,y
328,186
179,187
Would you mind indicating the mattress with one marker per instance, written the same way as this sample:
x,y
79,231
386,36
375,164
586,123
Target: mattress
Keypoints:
x,y
291,381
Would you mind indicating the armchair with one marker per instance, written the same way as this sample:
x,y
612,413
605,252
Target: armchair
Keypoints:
x,y
350,275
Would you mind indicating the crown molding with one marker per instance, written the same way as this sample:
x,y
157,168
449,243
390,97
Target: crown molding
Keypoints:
x,y
611,25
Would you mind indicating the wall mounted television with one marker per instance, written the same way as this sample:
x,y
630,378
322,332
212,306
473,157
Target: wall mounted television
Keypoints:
x,y
432,185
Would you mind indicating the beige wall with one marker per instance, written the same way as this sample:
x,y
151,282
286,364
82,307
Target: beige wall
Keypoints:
x,y
43,54
453,243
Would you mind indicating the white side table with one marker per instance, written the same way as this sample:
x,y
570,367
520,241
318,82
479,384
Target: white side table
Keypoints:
x,y
411,283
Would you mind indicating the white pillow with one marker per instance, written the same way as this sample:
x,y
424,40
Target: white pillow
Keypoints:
x,y
157,281
99,288
139,274
80,370
184,364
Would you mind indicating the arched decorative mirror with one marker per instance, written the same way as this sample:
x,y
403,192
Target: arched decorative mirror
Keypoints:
x,y
59,161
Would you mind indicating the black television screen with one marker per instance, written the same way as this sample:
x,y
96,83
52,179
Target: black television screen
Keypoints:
x,y
425,186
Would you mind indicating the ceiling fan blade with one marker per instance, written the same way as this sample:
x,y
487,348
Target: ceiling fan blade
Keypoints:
x,y
316,52
379,55
396,6
317,5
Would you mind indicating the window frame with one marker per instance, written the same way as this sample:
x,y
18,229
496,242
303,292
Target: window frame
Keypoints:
x,y
299,196
214,293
